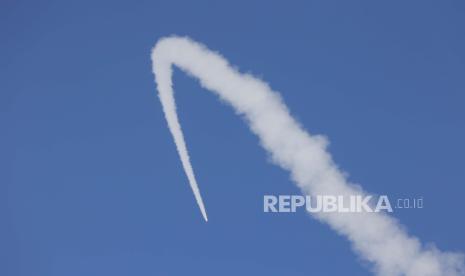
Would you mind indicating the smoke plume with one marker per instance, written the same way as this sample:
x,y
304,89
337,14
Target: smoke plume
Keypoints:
x,y
376,237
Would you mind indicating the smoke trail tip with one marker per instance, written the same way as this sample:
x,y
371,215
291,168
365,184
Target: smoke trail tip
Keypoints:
x,y
204,212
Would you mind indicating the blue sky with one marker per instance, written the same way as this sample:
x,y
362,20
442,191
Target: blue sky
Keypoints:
x,y
91,183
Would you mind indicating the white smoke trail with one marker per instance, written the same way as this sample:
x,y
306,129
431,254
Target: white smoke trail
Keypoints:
x,y
376,237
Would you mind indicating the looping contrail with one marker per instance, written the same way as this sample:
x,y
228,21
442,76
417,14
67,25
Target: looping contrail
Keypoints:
x,y
376,237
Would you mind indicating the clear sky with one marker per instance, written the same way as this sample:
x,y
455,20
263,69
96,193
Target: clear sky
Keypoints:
x,y
90,180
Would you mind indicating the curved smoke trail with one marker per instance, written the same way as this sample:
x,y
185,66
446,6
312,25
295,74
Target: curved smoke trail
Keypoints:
x,y
376,237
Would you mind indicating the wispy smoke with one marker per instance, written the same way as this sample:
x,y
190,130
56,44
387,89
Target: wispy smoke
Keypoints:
x,y
376,237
